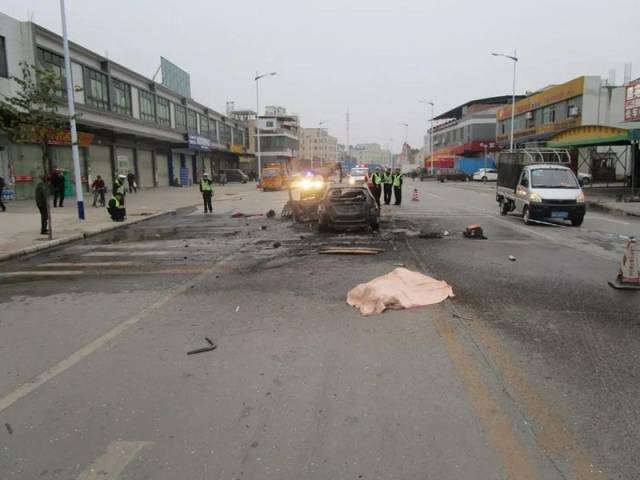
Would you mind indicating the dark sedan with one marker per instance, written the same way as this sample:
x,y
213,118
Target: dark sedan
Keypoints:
x,y
445,174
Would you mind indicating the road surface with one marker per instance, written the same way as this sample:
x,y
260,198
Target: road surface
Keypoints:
x,y
529,373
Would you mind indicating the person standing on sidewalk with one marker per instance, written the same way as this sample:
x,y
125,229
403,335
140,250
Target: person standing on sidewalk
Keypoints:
x,y
387,181
41,203
206,188
119,190
131,179
397,186
57,183
4,209
376,180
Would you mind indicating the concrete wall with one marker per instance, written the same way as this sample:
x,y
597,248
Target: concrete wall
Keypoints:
x,y
19,46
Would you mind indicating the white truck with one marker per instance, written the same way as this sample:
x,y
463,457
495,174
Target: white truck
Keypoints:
x,y
538,184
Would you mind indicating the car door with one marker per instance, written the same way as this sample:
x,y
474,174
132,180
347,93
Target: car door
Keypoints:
x,y
492,175
522,191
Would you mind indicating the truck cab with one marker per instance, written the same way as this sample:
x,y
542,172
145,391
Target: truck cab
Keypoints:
x,y
539,186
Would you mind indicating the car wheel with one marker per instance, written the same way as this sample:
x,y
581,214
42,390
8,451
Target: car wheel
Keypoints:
x,y
504,207
586,181
526,216
577,221
484,179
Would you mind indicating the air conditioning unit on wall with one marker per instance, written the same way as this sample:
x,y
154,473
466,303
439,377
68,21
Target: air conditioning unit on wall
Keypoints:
x,y
528,115
574,111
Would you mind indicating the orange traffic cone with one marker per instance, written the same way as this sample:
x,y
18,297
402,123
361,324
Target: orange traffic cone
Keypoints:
x,y
414,197
628,276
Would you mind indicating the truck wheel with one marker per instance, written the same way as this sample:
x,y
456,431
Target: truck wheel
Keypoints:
x,y
504,207
484,179
577,221
526,216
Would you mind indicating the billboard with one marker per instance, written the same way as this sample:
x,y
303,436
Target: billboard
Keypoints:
x,y
174,78
632,102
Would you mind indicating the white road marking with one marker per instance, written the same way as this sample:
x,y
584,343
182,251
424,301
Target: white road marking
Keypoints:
x,y
605,219
127,254
110,465
60,367
435,196
37,273
86,264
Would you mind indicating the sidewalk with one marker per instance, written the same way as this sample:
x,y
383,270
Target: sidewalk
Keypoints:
x,y
607,199
20,224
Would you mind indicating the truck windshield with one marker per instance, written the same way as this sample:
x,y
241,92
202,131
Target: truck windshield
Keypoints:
x,y
553,178
359,172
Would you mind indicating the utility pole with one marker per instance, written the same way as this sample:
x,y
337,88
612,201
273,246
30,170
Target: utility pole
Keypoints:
x,y
514,58
72,115
258,77
348,144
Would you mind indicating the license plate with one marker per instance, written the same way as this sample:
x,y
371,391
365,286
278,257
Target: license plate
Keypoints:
x,y
559,214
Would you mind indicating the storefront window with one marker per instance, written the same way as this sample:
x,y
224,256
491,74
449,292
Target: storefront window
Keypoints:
x,y
192,123
181,117
162,110
147,106
55,63
97,93
121,97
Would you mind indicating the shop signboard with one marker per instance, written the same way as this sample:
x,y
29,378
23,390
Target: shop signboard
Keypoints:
x,y
632,102
197,142
174,78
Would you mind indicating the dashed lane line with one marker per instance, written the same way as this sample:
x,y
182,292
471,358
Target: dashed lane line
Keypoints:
x,y
110,465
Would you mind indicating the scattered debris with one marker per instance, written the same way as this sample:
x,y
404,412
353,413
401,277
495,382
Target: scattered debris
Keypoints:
x,y
276,244
9,429
399,289
351,250
400,265
186,246
271,214
212,346
237,308
263,227
474,231
429,235
512,258
247,215
445,233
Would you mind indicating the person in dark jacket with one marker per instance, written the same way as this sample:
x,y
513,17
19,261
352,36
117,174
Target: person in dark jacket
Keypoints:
x,y
57,183
387,182
376,181
4,209
131,179
41,203
99,188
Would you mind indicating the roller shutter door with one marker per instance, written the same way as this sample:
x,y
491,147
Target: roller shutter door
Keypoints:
x,y
145,169
100,163
162,170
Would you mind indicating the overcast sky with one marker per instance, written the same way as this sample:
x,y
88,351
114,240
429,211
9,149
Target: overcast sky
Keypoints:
x,y
379,58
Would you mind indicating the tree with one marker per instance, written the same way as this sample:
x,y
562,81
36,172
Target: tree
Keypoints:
x,y
31,116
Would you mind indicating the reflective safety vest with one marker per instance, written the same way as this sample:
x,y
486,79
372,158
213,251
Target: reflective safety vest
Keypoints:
x,y
205,185
114,202
387,177
397,180
119,188
376,178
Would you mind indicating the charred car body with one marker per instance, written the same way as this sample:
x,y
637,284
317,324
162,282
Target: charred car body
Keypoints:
x,y
348,207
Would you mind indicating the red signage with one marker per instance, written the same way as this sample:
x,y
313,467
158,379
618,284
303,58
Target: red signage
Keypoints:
x,y
64,138
632,102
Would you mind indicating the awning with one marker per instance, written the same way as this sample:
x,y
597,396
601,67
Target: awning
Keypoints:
x,y
593,135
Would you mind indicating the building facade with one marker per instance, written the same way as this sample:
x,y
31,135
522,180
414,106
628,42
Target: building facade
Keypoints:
x,y
370,154
279,137
465,130
317,148
585,115
126,121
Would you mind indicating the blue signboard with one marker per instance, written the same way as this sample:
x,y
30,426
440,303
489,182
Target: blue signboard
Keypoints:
x,y
196,142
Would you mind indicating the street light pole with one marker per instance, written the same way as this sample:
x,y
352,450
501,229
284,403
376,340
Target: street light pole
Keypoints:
x,y
513,57
431,150
404,146
258,77
324,149
72,115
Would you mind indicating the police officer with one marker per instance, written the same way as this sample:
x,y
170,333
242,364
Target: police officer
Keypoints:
x,y
397,186
119,189
116,209
387,181
206,189
376,180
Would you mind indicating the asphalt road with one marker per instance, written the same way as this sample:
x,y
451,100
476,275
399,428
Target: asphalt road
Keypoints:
x,y
530,372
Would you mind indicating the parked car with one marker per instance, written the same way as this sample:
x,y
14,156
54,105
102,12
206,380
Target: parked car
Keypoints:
x,y
486,175
585,178
235,175
359,176
445,174
348,207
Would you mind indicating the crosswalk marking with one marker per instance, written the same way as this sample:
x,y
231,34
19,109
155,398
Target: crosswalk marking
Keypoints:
x,y
110,465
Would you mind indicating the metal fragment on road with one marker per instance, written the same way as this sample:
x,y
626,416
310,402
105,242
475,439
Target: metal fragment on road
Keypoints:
x,y
237,308
9,429
512,258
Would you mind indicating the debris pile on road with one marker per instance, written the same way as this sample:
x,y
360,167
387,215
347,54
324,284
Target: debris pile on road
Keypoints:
x,y
429,235
338,250
400,289
475,232
271,214
247,215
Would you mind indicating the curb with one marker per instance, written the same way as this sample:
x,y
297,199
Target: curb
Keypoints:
x,y
80,236
615,211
